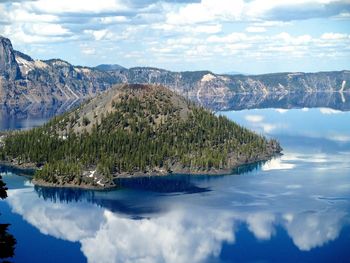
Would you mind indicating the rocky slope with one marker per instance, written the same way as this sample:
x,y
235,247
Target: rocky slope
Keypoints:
x,y
23,79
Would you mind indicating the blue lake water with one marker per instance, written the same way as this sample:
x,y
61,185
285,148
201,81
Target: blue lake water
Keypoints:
x,y
294,208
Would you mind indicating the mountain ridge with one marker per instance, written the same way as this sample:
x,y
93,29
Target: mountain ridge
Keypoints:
x,y
24,80
109,67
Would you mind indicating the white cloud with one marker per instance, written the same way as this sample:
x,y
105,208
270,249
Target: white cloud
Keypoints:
x,y
170,238
56,219
295,40
306,158
88,50
49,30
334,36
76,6
230,38
293,186
270,23
197,29
21,15
113,19
309,230
110,237
206,11
226,10
339,137
100,34
267,127
282,111
261,224
277,164
187,41
255,29
38,33
329,111
254,118
342,16
181,31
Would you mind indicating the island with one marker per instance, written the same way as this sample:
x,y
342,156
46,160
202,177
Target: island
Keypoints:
x,y
133,130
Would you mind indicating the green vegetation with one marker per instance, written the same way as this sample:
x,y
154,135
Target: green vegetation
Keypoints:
x,y
7,241
86,121
3,189
145,130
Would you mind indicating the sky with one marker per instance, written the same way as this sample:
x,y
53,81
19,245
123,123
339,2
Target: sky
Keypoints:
x,y
247,36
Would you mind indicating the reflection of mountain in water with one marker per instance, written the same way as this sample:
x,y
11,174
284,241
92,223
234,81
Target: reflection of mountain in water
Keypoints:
x,y
69,195
37,110
66,195
335,100
243,169
171,184
11,169
174,184
132,206
31,114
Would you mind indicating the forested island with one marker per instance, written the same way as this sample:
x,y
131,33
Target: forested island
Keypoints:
x,y
133,130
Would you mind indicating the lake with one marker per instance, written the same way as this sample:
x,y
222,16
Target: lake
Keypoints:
x,y
293,208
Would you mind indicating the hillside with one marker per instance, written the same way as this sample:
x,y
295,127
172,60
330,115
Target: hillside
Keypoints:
x,y
24,80
134,130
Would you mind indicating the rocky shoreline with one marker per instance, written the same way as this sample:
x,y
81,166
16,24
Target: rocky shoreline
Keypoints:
x,y
26,167
81,186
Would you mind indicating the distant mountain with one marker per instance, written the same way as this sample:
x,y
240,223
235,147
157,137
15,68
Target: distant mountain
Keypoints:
x,y
134,130
23,80
110,67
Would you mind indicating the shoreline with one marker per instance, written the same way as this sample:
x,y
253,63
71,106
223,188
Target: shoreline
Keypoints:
x,y
31,168
83,187
27,169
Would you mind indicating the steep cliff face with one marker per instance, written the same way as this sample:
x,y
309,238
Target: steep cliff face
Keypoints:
x,y
9,69
57,80
24,80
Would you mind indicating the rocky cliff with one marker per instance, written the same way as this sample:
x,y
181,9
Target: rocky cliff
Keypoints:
x,y
24,80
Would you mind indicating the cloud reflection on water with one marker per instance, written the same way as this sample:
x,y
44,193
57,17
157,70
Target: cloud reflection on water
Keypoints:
x,y
185,233
311,229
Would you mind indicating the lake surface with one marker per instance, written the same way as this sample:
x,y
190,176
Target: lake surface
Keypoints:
x,y
30,115
294,208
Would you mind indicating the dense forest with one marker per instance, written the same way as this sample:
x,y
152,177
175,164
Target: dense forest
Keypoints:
x,y
137,129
